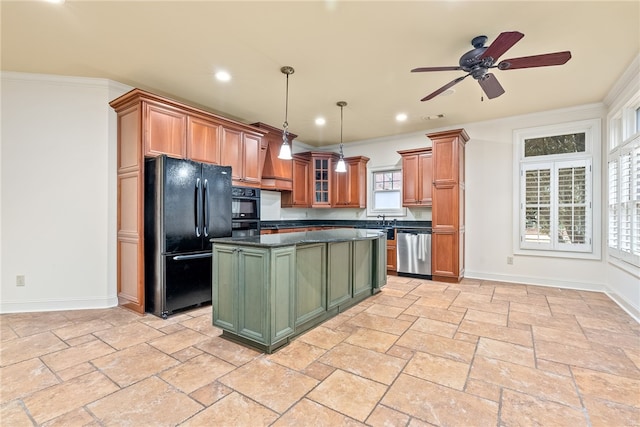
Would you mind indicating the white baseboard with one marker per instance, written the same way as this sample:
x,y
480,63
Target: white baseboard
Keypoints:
x,y
57,305
627,306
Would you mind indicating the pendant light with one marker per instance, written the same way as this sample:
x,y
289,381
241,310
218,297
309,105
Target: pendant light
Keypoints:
x,y
341,166
285,148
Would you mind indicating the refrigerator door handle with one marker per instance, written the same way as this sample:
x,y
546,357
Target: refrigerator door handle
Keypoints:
x,y
198,208
205,191
194,256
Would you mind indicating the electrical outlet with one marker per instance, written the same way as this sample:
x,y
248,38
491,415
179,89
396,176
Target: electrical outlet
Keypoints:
x,y
510,260
20,280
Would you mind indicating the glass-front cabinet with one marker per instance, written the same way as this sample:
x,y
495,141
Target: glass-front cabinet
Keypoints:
x,y
322,171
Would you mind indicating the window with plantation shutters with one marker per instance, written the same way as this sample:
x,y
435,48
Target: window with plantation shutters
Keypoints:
x,y
556,206
613,233
624,202
556,188
537,205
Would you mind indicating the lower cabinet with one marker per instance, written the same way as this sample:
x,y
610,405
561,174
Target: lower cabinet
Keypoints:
x,y
265,296
311,286
253,293
362,267
340,283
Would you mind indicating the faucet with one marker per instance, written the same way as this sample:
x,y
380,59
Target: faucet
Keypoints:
x,y
382,219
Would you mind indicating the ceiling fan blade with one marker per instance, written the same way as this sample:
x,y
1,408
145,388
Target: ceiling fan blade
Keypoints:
x,y
557,58
443,88
491,87
501,44
421,69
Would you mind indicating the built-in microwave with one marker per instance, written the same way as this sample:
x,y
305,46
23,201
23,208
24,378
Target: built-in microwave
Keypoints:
x,y
245,203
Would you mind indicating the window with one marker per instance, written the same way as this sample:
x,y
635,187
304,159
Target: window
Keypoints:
x,y
624,202
623,181
385,195
556,190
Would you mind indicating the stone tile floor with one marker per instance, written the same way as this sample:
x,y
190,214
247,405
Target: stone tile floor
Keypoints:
x,y
419,353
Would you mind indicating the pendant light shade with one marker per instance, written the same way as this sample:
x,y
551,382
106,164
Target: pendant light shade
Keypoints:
x,y
341,166
285,148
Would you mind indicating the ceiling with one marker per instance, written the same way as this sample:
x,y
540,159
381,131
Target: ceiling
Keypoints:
x,y
360,52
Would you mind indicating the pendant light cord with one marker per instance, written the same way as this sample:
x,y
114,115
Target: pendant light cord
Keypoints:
x,y
286,106
341,121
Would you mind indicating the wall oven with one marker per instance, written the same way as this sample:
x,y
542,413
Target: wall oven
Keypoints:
x,y
245,211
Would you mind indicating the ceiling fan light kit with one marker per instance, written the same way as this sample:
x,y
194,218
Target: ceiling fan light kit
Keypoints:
x,y
285,148
478,61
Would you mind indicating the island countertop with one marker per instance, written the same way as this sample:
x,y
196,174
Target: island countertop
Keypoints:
x,y
301,238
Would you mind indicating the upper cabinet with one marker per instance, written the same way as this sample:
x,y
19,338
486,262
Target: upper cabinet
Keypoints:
x,y
417,177
203,140
322,165
350,188
165,130
317,185
277,174
241,151
300,194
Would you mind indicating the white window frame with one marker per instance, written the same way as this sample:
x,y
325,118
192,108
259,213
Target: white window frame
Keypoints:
x,y
624,140
590,158
371,209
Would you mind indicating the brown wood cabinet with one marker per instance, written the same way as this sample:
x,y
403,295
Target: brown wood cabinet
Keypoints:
x,y
322,166
241,151
448,213
350,188
392,261
417,177
203,140
300,194
316,184
150,125
165,131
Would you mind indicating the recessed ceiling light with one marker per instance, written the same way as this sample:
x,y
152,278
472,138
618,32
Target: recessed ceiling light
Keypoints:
x,y
320,121
223,76
401,117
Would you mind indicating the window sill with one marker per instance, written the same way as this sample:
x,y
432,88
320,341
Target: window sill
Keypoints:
x,y
559,254
632,269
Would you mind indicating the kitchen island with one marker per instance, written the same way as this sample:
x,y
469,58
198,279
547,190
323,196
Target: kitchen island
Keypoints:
x,y
270,288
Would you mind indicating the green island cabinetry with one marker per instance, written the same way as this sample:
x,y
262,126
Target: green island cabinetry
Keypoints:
x,y
268,289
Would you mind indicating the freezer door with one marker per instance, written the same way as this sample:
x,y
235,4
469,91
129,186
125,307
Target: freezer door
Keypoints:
x,y
216,188
182,281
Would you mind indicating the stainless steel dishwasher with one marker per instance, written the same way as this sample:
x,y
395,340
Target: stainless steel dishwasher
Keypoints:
x,y
413,248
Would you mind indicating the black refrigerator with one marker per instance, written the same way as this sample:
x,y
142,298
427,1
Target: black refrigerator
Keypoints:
x,y
186,203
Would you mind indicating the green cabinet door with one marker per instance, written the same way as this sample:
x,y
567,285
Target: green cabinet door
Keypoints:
x,y
224,287
339,273
254,293
311,283
362,267
283,293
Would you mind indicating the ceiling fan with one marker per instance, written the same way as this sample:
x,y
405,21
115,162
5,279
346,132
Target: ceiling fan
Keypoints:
x,y
478,61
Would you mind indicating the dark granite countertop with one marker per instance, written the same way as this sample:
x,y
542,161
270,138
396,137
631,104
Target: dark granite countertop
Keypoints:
x,y
301,238
271,225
